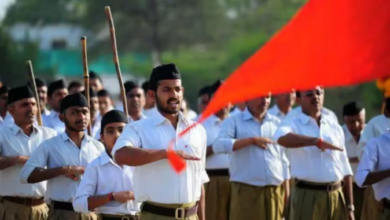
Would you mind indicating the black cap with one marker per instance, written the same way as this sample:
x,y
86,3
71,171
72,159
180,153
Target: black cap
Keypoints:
x,y
56,85
214,87
103,93
38,82
130,85
76,99
94,75
163,72
145,86
352,108
4,89
204,91
18,93
112,117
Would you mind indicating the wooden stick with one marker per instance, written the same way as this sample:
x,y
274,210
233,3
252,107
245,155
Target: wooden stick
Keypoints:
x,y
31,77
86,77
116,58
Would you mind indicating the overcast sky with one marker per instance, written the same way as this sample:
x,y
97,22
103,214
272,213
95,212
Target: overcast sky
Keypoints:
x,y
3,6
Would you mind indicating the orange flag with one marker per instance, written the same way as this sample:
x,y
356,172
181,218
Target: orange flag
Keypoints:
x,y
329,43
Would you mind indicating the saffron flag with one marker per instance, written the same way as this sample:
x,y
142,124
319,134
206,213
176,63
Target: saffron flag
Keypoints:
x,y
328,42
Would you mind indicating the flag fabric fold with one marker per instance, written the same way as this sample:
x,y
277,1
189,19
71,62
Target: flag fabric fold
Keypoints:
x,y
328,42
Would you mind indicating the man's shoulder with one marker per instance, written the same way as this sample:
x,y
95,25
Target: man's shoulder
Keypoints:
x,y
376,119
48,131
97,143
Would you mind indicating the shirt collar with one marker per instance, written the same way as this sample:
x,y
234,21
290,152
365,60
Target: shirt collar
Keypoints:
x,y
277,110
142,117
16,129
347,134
64,137
105,159
306,119
160,119
248,116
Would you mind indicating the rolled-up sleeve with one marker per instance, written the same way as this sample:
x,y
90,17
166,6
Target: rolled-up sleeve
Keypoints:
x,y
86,189
226,137
129,138
367,163
38,159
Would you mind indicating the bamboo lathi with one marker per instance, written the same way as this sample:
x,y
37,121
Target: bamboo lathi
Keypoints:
x,y
31,77
86,77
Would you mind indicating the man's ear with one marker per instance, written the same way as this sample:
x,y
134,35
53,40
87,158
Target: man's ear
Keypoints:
x,y
61,116
102,138
151,95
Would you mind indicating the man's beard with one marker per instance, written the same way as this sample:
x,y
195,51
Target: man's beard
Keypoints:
x,y
161,108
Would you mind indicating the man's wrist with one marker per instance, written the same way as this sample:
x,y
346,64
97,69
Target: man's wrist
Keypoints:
x,y
351,208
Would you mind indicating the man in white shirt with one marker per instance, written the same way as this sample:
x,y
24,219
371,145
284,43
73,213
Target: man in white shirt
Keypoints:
x,y
94,109
203,98
374,169
106,103
135,100
377,126
217,165
62,159
106,186
165,194
42,94
259,171
56,92
17,141
150,105
283,104
354,116
318,163
3,103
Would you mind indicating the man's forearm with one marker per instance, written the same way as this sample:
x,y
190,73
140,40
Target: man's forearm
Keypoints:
x,y
296,141
6,162
97,201
348,190
374,177
241,143
202,205
42,174
132,156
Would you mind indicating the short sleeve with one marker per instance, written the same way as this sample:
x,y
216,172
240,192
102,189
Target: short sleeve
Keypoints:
x,y
130,137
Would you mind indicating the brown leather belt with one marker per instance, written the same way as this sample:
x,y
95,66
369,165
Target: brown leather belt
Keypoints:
x,y
67,206
24,201
322,187
125,217
179,213
219,172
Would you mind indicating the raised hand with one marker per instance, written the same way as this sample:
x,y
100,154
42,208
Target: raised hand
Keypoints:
x,y
185,156
323,145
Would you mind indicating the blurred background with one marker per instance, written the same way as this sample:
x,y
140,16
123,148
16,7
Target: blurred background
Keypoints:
x,y
207,39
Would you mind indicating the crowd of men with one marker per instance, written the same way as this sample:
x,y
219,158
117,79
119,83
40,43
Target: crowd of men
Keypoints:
x,y
250,161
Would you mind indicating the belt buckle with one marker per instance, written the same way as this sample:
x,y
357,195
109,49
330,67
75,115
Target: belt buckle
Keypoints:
x,y
180,213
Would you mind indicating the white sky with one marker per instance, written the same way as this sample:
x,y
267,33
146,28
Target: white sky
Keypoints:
x,y
3,7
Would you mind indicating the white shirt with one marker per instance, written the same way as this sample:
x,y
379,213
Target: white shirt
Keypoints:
x,y
157,181
236,111
60,151
191,115
377,126
95,129
310,163
376,157
53,121
149,112
275,111
295,112
13,142
103,177
351,147
253,165
212,125
7,120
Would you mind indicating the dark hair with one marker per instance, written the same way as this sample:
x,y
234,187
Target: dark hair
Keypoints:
x,y
103,93
74,84
145,86
204,91
93,75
